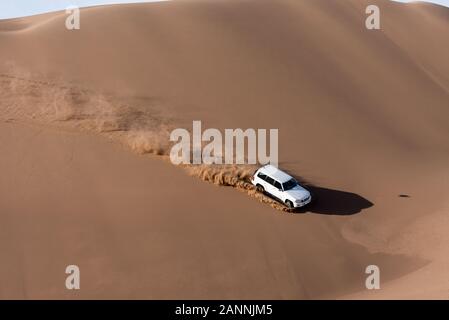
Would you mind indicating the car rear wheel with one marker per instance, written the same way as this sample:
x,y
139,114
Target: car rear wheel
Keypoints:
x,y
260,188
289,204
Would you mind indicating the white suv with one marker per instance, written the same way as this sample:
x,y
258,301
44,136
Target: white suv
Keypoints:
x,y
282,186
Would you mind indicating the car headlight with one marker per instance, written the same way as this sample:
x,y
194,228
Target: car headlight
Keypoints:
x,y
303,200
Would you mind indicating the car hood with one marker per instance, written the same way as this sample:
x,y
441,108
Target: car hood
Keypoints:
x,y
298,193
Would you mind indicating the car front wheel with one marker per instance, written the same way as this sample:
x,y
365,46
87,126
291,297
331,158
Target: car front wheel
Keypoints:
x,y
260,188
289,204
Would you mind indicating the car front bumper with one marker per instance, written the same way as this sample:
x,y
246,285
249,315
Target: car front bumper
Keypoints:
x,y
302,204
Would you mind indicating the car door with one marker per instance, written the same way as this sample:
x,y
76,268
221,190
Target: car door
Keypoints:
x,y
261,180
277,190
270,188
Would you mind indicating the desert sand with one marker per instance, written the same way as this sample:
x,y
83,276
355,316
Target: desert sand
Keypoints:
x,y
363,116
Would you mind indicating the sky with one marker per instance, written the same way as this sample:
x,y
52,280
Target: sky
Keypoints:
x,y
442,2
21,8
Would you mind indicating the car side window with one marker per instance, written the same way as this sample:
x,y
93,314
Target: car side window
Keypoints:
x,y
269,180
262,176
277,185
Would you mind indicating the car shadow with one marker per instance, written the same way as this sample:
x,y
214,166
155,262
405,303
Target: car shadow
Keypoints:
x,y
334,202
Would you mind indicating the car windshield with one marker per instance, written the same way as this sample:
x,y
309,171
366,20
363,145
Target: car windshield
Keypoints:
x,y
290,184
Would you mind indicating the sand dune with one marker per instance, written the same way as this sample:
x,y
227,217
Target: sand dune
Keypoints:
x,y
367,110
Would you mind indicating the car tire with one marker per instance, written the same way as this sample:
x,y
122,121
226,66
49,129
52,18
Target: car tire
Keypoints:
x,y
260,188
289,204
